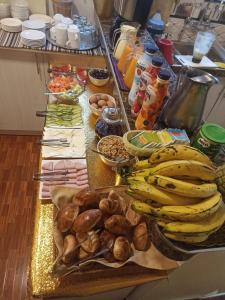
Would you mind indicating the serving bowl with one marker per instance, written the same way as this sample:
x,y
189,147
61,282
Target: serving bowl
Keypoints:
x,y
118,161
97,107
98,77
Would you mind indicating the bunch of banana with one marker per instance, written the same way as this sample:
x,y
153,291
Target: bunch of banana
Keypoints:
x,y
176,186
220,178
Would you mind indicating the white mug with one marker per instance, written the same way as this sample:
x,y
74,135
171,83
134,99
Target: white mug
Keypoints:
x,y
53,33
58,18
67,21
73,37
61,34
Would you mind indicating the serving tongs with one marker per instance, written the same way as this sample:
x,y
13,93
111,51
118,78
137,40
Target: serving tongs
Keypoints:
x,y
55,142
50,176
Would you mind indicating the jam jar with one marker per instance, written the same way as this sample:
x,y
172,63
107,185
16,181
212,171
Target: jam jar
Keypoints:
x,y
109,123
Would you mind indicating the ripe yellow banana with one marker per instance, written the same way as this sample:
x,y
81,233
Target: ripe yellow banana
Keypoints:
x,y
188,168
184,213
174,152
209,223
144,191
188,239
142,164
183,188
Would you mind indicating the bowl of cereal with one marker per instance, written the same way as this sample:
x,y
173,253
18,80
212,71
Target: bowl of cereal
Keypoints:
x,y
113,152
97,102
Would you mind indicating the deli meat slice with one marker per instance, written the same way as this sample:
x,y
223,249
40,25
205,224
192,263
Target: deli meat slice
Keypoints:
x,y
82,177
81,172
47,165
80,165
59,165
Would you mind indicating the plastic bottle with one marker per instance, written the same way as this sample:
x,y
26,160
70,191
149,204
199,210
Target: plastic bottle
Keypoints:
x,y
155,25
143,62
148,77
151,107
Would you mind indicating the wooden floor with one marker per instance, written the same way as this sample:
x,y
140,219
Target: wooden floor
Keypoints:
x,y
19,157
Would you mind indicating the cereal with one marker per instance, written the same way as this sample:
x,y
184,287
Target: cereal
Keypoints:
x,y
113,148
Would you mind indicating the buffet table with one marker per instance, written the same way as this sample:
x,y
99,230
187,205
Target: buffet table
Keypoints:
x,y
98,280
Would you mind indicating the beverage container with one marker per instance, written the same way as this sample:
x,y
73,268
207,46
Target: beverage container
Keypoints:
x,y
155,26
166,47
210,139
126,57
143,62
202,45
147,78
126,32
155,97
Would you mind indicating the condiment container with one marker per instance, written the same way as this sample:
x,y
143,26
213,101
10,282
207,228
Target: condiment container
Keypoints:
x,y
109,123
210,139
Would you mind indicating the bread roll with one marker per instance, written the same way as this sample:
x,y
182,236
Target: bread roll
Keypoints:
x,y
87,220
122,249
70,249
66,217
87,198
110,206
141,238
89,241
107,239
118,224
133,217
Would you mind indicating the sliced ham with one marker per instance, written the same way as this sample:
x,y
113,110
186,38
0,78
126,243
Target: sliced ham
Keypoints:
x,y
80,166
82,172
82,177
83,182
70,164
48,165
59,165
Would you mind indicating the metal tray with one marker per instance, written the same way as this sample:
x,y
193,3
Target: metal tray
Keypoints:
x,y
180,251
83,45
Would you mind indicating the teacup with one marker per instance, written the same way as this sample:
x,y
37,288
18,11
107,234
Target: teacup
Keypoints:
x,y
61,34
73,37
58,18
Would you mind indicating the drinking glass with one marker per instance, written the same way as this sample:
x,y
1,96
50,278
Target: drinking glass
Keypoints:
x,y
202,45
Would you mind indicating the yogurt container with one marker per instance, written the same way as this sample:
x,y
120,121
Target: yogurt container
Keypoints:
x,y
210,139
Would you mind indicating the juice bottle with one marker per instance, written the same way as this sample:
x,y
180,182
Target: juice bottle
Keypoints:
x,y
148,77
155,96
142,64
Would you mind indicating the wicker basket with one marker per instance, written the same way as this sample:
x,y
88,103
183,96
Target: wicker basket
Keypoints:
x,y
135,151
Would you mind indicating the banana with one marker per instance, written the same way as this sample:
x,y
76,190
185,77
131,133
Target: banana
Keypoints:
x,y
208,224
191,239
144,191
178,152
141,164
184,213
188,168
182,188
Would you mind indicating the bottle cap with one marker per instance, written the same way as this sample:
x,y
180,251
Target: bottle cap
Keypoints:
x,y
164,74
214,132
150,49
157,61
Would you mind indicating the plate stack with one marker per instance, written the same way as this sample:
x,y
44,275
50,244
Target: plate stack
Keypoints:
x,y
33,38
20,11
33,25
43,18
11,25
4,10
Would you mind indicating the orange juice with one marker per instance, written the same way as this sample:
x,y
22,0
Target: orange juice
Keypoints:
x,y
125,58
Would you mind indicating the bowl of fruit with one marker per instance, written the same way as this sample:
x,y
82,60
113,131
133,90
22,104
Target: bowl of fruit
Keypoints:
x,y
98,77
99,101
65,88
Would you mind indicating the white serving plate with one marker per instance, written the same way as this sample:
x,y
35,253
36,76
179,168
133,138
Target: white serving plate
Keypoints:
x,y
43,18
11,24
33,25
33,35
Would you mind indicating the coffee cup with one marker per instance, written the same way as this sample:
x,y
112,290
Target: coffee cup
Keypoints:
x,y
73,37
53,33
61,34
58,18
